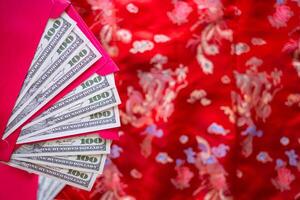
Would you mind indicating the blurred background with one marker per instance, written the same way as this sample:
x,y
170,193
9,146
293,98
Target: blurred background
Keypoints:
x,y
202,84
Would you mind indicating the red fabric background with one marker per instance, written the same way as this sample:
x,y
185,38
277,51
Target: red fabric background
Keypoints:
x,y
169,105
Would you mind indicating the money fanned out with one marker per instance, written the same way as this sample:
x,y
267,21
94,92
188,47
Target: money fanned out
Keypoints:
x,y
60,145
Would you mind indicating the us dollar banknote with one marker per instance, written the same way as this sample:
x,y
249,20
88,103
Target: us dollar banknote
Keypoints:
x,y
53,190
48,188
85,90
55,32
83,180
87,163
94,122
43,185
94,104
75,66
80,145
74,41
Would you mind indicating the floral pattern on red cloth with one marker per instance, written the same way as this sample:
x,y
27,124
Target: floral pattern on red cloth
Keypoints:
x,y
210,95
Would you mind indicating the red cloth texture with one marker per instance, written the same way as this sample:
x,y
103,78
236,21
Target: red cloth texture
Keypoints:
x,y
210,95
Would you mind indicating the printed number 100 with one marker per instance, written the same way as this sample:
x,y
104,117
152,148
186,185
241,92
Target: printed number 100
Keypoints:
x,y
91,140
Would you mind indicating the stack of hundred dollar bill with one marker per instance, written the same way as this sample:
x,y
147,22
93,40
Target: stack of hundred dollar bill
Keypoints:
x,y
61,144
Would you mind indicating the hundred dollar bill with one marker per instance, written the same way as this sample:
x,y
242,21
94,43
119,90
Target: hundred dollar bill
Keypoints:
x,y
72,43
94,104
80,145
87,163
55,32
43,185
97,121
76,65
55,188
83,180
85,90
48,188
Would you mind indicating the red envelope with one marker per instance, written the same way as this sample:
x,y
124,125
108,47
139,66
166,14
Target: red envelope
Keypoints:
x,y
22,23
17,184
